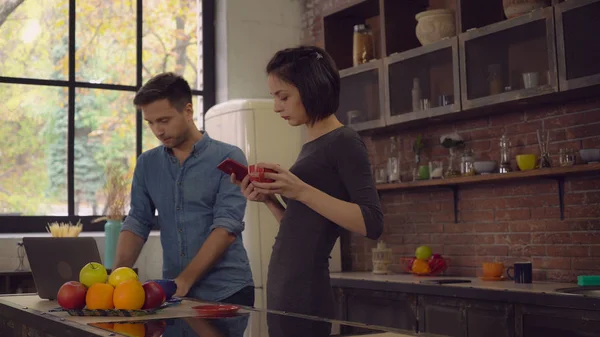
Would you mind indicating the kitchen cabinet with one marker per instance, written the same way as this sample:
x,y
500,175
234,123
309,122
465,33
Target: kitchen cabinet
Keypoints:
x,y
578,44
509,61
382,308
422,83
361,96
454,317
535,321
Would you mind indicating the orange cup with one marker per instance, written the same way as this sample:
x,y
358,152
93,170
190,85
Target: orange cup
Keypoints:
x,y
493,269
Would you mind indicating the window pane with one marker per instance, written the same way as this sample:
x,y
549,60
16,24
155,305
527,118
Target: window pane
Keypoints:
x,y
34,39
105,33
104,137
173,39
33,169
199,111
149,141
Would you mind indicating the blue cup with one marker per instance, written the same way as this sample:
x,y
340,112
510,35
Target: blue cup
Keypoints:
x,y
168,286
523,272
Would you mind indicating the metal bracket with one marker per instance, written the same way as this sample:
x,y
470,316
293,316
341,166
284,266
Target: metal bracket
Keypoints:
x,y
455,197
561,196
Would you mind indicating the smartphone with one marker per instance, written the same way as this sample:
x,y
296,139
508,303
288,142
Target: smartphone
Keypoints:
x,y
230,166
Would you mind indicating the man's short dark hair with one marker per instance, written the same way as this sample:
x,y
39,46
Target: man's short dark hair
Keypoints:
x,y
168,86
314,73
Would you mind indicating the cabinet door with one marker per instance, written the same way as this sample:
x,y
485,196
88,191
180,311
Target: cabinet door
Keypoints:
x,y
442,316
460,317
388,309
490,319
361,96
542,322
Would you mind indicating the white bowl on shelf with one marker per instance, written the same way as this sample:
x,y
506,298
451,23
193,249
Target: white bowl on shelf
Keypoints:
x,y
485,166
590,155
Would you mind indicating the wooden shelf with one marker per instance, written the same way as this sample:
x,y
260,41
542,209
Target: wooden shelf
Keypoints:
x,y
555,172
558,173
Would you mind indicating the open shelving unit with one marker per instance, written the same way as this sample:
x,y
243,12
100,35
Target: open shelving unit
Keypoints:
x,y
557,173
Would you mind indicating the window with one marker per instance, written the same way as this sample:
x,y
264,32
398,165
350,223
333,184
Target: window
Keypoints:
x,y
69,70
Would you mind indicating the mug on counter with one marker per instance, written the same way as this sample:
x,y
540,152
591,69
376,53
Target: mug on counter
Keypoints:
x,y
493,269
523,272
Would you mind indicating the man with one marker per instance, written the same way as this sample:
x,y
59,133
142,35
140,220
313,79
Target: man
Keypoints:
x,y
200,211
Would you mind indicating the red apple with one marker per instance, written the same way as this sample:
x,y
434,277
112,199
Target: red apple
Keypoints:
x,y
155,295
437,263
71,295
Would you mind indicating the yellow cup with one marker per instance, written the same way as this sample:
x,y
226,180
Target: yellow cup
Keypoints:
x,y
526,161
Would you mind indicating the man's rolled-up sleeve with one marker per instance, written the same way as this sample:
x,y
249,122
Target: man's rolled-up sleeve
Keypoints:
x,y
230,203
141,213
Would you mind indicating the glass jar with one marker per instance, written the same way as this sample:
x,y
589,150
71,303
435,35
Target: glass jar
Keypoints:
x,y
567,157
467,167
364,45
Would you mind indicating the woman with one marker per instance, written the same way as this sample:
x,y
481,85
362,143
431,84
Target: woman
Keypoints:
x,y
328,189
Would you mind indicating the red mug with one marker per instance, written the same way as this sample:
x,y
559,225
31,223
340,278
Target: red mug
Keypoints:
x,y
258,174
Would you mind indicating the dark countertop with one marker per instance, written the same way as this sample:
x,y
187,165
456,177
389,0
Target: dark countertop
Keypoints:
x,y
23,314
539,293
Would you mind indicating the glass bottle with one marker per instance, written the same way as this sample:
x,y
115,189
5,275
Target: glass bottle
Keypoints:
x,y
393,164
504,154
495,79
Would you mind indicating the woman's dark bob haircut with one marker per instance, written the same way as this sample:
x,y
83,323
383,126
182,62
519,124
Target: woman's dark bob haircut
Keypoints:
x,y
314,73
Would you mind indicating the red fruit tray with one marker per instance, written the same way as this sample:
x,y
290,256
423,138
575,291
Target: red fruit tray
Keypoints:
x,y
436,270
216,310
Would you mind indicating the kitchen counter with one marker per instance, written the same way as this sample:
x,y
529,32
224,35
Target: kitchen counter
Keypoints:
x,y
542,293
28,315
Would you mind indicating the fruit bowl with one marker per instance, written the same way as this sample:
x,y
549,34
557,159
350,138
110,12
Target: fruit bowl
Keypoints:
x,y
437,265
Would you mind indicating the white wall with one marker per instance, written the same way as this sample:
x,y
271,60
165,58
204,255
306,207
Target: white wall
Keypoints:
x,y
248,34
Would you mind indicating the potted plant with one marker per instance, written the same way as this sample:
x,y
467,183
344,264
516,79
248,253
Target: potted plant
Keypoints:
x,y
117,187
452,141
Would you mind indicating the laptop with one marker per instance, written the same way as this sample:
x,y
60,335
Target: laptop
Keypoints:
x,y
54,261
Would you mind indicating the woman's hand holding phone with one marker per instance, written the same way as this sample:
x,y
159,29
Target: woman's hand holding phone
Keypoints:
x,y
249,190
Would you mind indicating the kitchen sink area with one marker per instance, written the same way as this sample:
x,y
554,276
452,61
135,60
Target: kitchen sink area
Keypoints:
x,y
583,291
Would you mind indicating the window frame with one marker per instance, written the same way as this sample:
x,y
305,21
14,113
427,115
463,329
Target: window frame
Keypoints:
x,y
10,224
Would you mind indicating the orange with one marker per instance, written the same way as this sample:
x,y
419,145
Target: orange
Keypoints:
x,y
99,296
420,267
129,295
130,329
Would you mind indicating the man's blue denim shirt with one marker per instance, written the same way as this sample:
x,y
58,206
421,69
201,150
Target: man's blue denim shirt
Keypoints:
x,y
192,199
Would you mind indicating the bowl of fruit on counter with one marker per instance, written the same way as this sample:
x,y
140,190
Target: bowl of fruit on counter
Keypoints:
x,y
425,263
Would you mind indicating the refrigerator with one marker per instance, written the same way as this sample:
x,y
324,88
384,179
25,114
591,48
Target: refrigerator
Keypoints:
x,y
263,136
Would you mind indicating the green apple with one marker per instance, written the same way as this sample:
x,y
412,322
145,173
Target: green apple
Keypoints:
x,y
423,253
91,273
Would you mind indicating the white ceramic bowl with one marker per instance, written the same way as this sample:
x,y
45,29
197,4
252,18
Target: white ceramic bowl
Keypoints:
x,y
487,166
590,155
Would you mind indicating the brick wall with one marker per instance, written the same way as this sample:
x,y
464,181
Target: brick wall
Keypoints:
x,y
507,222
